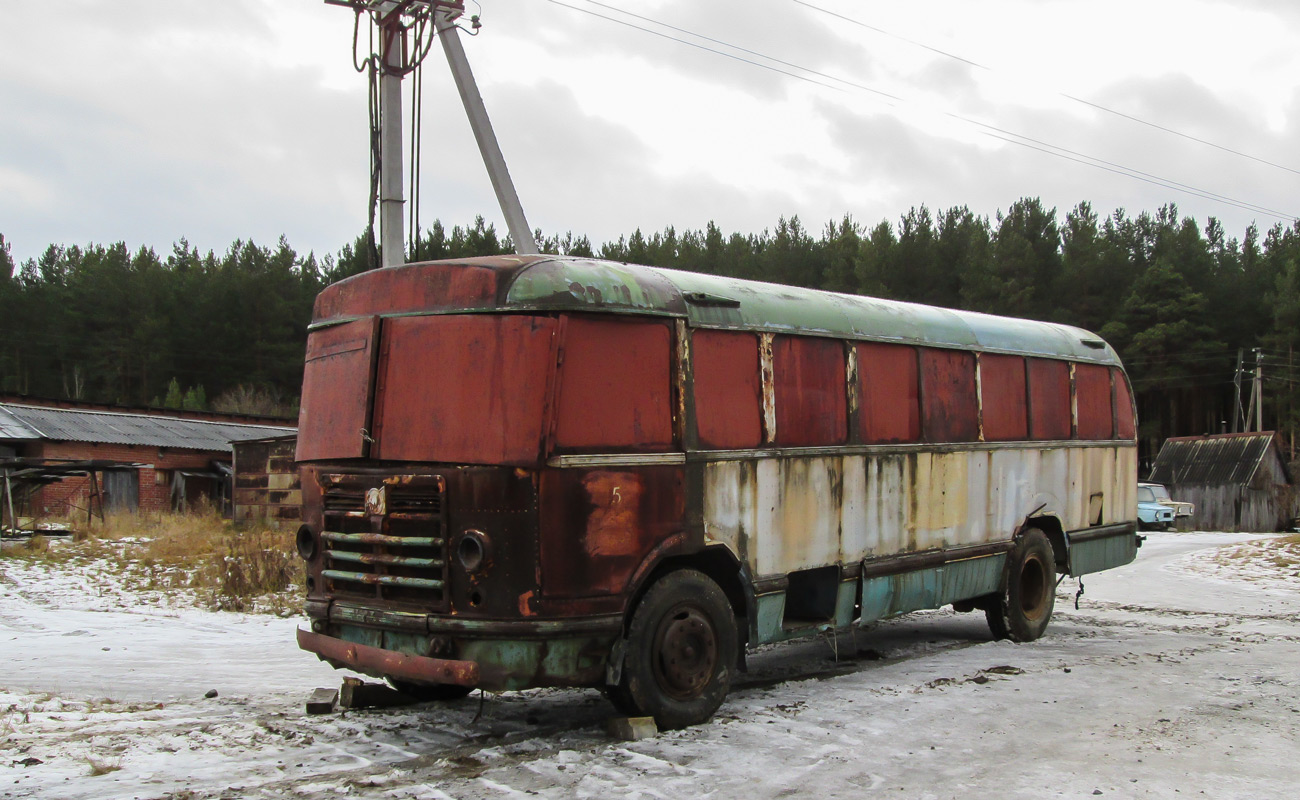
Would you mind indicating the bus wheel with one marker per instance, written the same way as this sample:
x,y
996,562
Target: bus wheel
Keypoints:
x,y
1021,611
681,651
430,692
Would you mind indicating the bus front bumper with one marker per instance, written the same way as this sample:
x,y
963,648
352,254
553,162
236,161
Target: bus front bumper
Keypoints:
x,y
373,660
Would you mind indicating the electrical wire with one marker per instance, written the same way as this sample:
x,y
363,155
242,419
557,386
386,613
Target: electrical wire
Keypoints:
x,y
1017,139
1080,100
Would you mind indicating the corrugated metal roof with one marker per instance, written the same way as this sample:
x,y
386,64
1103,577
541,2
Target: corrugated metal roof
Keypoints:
x,y
1222,459
13,428
111,427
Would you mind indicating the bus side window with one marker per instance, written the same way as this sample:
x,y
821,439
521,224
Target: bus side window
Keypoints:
x,y
615,386
889,386
1092,390
948,408
810,379
1125,424
728,389
1049,399
1005,405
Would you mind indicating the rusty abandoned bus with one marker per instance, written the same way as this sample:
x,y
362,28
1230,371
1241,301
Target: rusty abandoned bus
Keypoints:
x,y
543,471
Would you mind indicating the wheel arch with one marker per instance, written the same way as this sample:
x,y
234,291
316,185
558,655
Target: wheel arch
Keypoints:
x,y
720,565
1052,528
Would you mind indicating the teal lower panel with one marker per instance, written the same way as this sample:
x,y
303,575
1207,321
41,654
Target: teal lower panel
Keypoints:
x,y
891,595
1096,555
771,610
974,577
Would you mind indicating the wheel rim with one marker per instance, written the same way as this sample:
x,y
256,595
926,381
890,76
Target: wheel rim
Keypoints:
x,y
1033,588
686,652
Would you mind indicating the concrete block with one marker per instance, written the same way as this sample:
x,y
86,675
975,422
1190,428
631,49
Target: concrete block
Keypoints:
x,y
630,729
322,701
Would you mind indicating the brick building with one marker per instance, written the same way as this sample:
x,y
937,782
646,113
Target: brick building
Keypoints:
x,y
161,459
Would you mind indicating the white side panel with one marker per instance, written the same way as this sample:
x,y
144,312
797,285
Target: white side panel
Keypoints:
x,y
854,535
766,549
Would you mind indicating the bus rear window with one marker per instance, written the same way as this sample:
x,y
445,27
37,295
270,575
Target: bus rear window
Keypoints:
x,y
615,387
1049,399
1092,396
463,389
1002,390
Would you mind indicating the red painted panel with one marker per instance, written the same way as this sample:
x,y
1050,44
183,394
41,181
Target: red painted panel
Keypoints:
x,y
1092,393
1126,424
889,385
615,386
336,387
1049,399
597,526
728,389
1006,412
948,409
811,394
413,287
464,389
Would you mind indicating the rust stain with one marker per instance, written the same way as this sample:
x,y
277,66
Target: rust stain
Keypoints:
x,y
526,604
615,513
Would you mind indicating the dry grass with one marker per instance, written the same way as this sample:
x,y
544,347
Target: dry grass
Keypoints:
x,y
222,566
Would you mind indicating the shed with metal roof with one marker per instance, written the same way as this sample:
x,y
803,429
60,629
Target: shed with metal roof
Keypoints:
x,y
1238,481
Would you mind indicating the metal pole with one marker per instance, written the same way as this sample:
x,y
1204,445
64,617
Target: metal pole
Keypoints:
x,y
1238,413
1259,390
391,199
487,140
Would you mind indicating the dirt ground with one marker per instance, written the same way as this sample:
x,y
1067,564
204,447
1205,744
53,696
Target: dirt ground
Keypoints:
x,y
1177,676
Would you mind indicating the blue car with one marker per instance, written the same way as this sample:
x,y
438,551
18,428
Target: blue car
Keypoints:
x,y
1152,514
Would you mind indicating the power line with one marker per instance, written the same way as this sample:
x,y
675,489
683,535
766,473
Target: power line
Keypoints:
x,y
1080,100
1019,139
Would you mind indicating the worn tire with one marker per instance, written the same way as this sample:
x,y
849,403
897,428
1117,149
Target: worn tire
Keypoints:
x,y
681,652
1021,610
430,692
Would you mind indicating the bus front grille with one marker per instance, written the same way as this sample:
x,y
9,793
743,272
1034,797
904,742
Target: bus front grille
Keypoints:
x,y
385,539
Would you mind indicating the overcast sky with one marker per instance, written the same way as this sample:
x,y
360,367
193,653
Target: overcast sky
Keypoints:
x,y
151,120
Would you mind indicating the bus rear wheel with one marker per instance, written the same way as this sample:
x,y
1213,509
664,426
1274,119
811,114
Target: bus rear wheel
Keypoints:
x,y
1021,611
681,652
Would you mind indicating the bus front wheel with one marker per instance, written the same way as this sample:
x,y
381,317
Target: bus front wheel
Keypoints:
x,y
681,651
1021,611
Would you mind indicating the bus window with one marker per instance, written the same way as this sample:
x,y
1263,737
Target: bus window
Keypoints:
x,y
810,391
1092,398
948,409
889,387
1002,389
1125,424
728,389
615,386
336,391
463,388
1049,399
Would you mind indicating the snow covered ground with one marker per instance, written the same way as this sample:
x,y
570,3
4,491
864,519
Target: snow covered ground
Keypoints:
x,y
1177,677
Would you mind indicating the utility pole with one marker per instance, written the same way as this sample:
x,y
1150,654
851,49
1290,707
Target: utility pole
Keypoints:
x,y
1238,413
1258,391
397,56
392,57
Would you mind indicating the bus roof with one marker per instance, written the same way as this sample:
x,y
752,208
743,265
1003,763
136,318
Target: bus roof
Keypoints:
x,y
555,283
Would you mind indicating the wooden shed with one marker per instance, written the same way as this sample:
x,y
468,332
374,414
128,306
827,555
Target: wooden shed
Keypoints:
x,y
1238,481
267,488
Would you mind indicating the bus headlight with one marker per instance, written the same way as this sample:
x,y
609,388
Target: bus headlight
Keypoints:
x,y
306,542
472,550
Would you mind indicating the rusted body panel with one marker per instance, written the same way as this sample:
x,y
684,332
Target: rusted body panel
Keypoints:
x,y
889,391
728,389
334,416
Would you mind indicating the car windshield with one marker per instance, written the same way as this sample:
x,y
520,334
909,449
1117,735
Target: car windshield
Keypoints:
x,y
1160,492
1145,495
